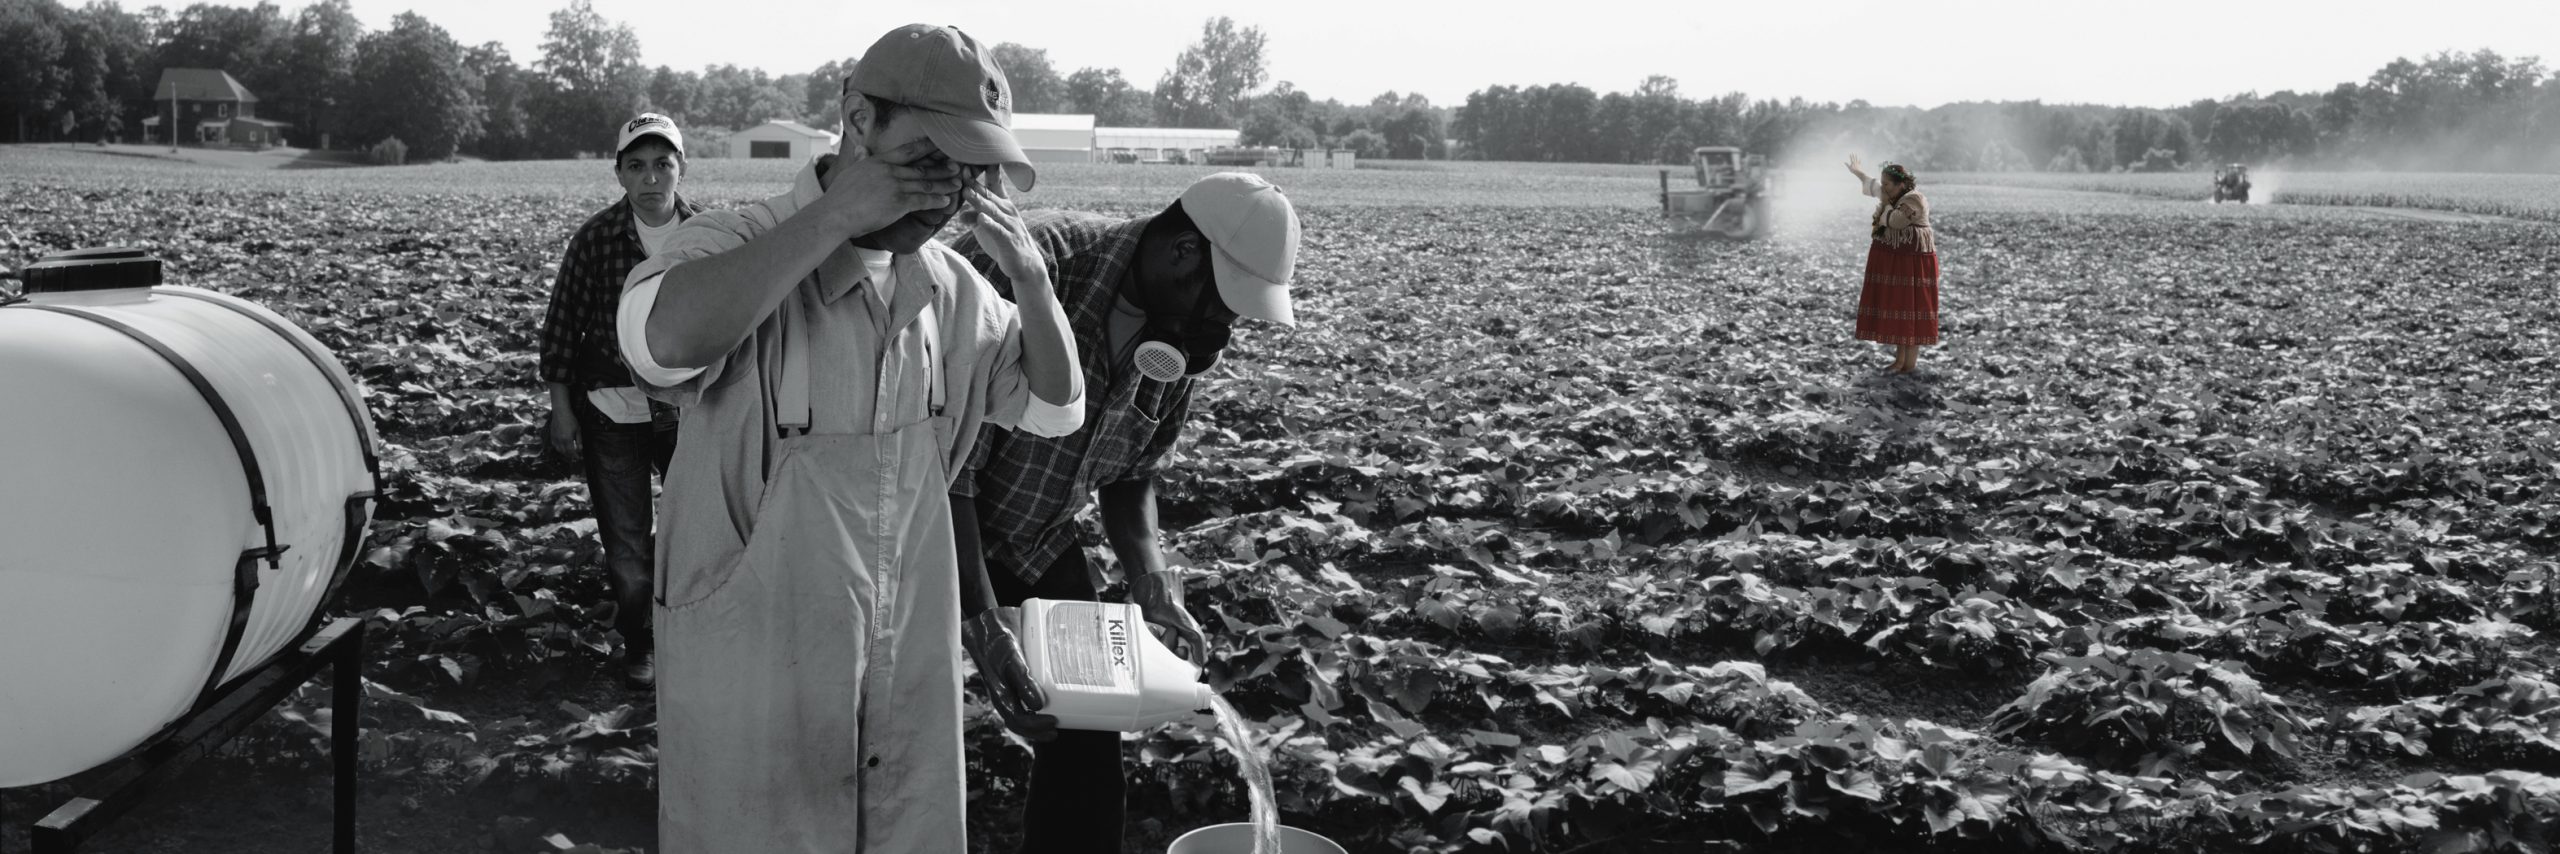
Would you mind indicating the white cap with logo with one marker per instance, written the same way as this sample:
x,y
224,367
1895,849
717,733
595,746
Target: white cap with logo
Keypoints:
x,y
1253,242
649,124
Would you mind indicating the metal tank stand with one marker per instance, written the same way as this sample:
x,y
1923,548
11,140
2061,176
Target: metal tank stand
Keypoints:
x,y
107,792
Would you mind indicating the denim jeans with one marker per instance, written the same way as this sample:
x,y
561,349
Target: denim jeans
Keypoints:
x,y
619,459
1075,802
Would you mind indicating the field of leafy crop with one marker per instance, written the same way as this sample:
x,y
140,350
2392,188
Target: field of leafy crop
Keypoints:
x,y
2534,197
720,181
1554,530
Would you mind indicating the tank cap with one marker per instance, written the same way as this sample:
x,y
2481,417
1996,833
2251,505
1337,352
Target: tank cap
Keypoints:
x,y
96,269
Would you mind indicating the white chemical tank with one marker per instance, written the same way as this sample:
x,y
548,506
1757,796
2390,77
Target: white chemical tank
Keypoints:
x,y
168,455
1103,670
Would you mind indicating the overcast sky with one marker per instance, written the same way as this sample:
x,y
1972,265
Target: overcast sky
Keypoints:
x,y
1916,52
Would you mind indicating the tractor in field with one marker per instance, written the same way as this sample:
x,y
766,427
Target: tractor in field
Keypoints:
x,y
2231,183
1733,194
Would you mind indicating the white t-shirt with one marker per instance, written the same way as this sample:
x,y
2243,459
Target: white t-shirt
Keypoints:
x,y
654,236
625,404
881,265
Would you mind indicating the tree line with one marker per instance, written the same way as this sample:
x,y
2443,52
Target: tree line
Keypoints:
x,y
87,74
1217,82
2477,111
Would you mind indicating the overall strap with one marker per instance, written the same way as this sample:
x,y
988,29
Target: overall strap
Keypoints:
x,y
791,392
791,402
929,324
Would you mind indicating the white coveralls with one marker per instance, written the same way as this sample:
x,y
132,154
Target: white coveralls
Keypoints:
x,y
808,619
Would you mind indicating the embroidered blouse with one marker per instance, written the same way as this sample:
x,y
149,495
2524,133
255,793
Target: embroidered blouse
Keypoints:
x,y
1903,223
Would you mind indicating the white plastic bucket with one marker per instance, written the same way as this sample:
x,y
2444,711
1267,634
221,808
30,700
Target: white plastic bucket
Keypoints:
x,y
126,509
1237,838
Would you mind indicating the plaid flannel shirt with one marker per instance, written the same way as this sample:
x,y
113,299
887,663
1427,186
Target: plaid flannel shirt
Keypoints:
x,y
579,346
1030,488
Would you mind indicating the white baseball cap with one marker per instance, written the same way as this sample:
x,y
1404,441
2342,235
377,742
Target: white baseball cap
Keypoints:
x,y
1253,242
649,124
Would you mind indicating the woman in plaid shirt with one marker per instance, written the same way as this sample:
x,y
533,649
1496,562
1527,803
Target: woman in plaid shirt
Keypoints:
x,y
598,418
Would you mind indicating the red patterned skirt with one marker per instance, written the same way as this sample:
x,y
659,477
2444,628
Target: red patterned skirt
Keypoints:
x,y
1899,304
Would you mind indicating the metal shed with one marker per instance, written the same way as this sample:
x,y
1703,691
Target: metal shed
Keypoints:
x,y
780,139
1054,137
1163,144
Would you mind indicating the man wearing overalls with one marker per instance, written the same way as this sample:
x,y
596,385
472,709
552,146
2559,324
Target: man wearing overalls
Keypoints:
x,y
836,365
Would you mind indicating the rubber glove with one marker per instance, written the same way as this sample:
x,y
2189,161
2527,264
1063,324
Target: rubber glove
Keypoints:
x,y
996,648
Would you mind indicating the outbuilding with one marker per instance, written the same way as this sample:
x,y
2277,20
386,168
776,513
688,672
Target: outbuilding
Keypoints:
x,y
253,133
1327,158
1054,137
1158,145
780,139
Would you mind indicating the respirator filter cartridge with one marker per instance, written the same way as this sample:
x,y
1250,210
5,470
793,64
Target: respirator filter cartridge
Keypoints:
x,y
1160,361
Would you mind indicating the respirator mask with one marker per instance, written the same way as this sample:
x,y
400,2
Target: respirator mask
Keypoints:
x,y
1165,358
1172,351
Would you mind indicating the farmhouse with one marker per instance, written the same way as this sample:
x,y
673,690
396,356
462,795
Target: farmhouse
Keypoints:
x,y
780,139
1151,145
213,106
1054,137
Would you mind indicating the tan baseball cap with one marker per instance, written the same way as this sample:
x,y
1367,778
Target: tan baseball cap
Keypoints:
x,y
1253,242
647,125
960,96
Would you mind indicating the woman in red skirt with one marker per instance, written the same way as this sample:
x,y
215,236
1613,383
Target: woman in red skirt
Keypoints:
x,y
1899,305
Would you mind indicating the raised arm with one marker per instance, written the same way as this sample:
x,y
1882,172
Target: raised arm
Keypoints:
x,y
1866,184
706,306
1049,363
